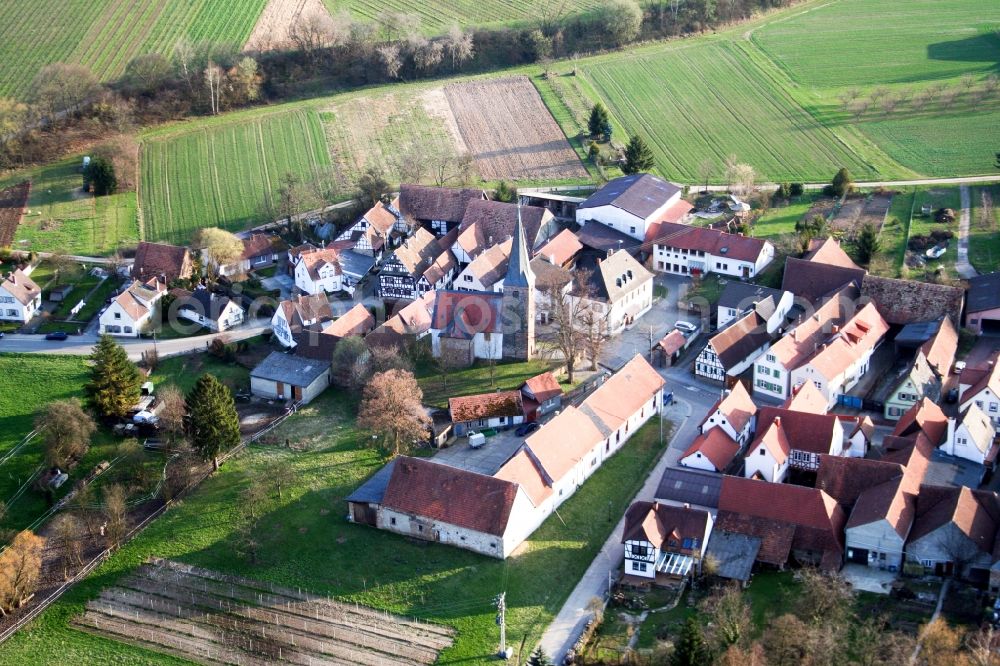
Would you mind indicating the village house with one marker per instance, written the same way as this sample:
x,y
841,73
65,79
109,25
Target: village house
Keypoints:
x,y
617,287
471,413
561,250
356,321
283,376
422,263
667,349
489,223
130,312
439,210
687,250
733,349
259,251
971,436
215,312
815,283
787,439
487,270
631,204
982,307
954,532
299,312
411,323
20,297
377,231
553,284
789,521
540,395
724,432
319,272
664,541
923,376
981,387
828,251
466,326
739,298
159,260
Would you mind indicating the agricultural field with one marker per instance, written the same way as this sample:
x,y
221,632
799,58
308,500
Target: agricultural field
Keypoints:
x,y
510,133
227,174
62,218
306,542
104,35
273,28
436,16
12,202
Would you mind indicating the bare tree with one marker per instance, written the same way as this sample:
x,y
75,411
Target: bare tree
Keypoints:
x,y
878,92
20,567
947,97
400,26
446,167
392,410
729,168
730,622
310,33
66,431
706,169
279,473
116,513
920,100
458,46
784,641
391,60
213,83
991,83
62,87
940,645
183,57
68,534
172,411
409,165
566,337
859,107
745,176
889,104
968,80
982,647
736,656
960,549
593,323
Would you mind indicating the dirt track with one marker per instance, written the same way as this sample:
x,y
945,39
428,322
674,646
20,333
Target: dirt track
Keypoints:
x,y
275,22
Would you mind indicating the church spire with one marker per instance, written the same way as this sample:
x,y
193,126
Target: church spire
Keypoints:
x,y
519,273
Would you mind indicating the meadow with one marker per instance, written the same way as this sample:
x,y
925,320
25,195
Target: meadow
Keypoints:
x,y
62,218
306,541
104,35
984,239
227,174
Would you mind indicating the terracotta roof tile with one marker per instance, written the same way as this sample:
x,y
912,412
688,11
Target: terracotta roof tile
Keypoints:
x,y
716,446
940,349
487,223
562,248
802,341
710,241
806,398
450,495
564,441
624,393
828,251
975,513
490,266
356,321
524,470
463,314
740,339
543,387
812,281
20,286
860,335
844,479
659,523
672,342
306,308
260,244
485,406
801,430
925,416
154,259
419,202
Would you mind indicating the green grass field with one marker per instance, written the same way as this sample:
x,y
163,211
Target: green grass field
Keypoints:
x,y
984,239
224,173
506,376
105,34
307,542
62,218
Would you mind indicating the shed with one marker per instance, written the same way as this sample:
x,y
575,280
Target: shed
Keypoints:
x,y
363,503
58,294
289,377
734,554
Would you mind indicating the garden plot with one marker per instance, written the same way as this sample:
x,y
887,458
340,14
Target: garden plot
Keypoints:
x,y
211,617
857,212
510,132
12,201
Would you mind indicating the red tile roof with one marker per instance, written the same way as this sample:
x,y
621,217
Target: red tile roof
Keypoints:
x,y
356,321
940,349
716,446
564,441
806,398
738,407
659,524
828,251
813,281
258,245
844,479
543,387
524,470
306,307
624,393
672,342
803,431
711,241
976,513
926,417
155,259
485,406
463,314
561,249
450,495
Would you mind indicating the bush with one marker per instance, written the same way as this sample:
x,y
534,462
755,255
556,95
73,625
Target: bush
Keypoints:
x,y
784,191
796,189
944,215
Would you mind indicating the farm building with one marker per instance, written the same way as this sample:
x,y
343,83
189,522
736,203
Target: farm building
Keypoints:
x,y
487,223
982,311
436,209
298,312
213,311
160,260
688,250
289,377
487,410
631,204
20,297
540,395
131,311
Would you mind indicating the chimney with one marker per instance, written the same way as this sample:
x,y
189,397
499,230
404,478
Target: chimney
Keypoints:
x,y
687,505
835,329
951,436
777,421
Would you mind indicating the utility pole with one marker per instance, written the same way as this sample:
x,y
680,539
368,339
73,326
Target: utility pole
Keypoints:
x,y
501,601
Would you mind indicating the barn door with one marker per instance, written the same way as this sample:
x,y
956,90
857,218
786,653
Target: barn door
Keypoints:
x,y
280,389
297,393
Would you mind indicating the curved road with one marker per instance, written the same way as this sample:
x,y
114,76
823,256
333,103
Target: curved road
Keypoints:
x,y
83,345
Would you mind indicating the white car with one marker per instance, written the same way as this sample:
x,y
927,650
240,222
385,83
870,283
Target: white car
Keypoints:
x,y
685,326
959,367
937,251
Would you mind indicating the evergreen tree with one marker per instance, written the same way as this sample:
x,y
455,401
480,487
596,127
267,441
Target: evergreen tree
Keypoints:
x,y
868,244
114,380
212,420
598,121
101,175
638,156
842,183
505,192
690,649
539,658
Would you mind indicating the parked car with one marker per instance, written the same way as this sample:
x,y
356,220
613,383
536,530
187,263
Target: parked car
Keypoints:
x,y
937,251
56,335
952,396
959,367
685,327
527,428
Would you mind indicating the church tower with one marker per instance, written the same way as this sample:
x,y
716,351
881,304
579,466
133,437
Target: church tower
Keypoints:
x,y
519,300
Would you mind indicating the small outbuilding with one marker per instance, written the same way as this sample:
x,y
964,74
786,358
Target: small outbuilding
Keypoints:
x,y
283,376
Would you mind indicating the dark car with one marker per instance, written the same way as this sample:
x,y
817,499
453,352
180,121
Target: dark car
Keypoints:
x,y
952,396
57,335
527,428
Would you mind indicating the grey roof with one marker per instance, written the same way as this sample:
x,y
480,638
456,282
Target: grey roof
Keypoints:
x,y
914,335
373,490
743,295
518,268
984,293
689,486
355,263
602,237
289,369
640,194
734,554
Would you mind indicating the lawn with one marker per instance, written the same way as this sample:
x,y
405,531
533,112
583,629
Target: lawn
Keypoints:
x,y
506,376
183,371
307,542
62,218
939,197
895,232
104,35
984,236
781,217
227,174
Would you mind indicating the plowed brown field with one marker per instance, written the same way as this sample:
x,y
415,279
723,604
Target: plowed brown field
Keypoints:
x,y
12,202
510,132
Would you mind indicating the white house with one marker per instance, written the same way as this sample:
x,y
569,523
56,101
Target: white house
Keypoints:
x,y
620,289
664,540
20,297
319,271
422,263
786,438
733,349
984,393
487,270
631,204
687,250
724,432
298,312
213,311
131,311
739,298
283,376
377,230
971,436
501,409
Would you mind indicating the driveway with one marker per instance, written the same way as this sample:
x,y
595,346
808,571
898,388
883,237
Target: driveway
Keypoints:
x,y
962,265
487,459
283,282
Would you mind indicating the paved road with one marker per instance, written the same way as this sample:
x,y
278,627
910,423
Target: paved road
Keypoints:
x,y
962,264
872,183
82,345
